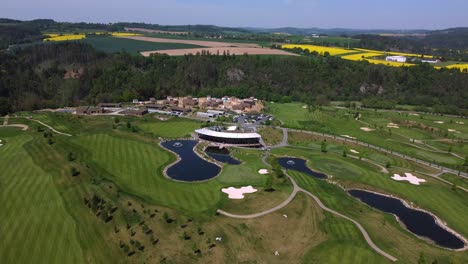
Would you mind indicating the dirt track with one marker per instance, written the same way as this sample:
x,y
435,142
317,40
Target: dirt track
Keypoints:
x,y
220,50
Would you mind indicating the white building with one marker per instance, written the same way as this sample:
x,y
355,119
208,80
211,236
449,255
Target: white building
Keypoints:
x,y
206,115
396,58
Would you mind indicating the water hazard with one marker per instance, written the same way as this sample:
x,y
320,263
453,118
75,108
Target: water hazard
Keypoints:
x,y
190,167
221,155
418,222
299,165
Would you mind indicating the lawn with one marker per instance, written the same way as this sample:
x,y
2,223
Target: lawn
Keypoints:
x,y
172,128
271,136
35,224
431,134
134,47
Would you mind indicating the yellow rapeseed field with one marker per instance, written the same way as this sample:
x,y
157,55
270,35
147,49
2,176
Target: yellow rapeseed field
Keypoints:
x,y
124,34
389,63
361,56
458,66
319,49
396,53
64,37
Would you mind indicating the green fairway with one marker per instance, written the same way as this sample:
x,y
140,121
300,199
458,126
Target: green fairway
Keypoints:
x,y
134,47
35,224
426,137
172,128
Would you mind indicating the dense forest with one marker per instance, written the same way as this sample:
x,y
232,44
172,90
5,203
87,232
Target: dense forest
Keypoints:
x,y
73,73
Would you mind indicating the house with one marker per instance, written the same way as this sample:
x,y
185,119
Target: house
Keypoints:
x,y
396,58
216,112
88,110
206,115
179,111
189,101
135,112
155,106
110,105
82,110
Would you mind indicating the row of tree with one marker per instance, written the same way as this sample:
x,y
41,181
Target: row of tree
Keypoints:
x,y
73,73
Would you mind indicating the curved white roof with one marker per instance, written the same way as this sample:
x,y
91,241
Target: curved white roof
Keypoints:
x,y
209,132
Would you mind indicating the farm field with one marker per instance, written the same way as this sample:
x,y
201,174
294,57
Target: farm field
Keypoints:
x,y
134,47
173,219
427,137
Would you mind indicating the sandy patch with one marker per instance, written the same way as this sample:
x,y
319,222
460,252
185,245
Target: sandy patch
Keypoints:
x,y
460,123
304,106
439,122
453,130
354,151
348,136
392,125
408,177
220,51
238,193
263,171
413,114
367,129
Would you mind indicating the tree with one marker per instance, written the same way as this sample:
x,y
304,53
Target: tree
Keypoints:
x,y
116,120
323,147
129,124
344,153
71,156
422,259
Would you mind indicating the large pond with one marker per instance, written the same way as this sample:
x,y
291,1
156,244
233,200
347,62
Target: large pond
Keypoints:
x,y
190,167
418,222
299,165
221,155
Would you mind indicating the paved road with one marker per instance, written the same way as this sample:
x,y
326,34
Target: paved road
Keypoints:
x,y
297,189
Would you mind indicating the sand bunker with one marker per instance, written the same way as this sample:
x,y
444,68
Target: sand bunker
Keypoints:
x,y
453,130
354,151
263,171
460,123
238,193
414,114
439,122
408,177
367,129
392,125
347,136
304,106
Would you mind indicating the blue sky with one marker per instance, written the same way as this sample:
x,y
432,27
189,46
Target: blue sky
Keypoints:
x,y
363,14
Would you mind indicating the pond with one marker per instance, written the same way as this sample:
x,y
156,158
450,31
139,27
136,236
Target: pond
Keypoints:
x,y
299,165
190,167
221,155
418,222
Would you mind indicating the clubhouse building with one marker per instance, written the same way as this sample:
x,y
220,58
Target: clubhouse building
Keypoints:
x,y
229,137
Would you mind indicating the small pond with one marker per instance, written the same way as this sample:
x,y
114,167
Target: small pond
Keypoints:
x,y
299,165
418,222
190,167
221,155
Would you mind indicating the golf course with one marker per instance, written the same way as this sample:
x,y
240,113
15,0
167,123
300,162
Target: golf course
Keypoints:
x,y
97,192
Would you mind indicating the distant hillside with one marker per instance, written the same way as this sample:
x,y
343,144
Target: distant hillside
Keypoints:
x,y
333,31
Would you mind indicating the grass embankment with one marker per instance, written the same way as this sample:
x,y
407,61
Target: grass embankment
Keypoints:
x,y
271,136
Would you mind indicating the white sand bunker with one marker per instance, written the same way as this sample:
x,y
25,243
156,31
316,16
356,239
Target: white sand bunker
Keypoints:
x,y
354,151
408,177
414,114
304,106
263,171
439,122
347,136
460,123
453,130
238,193
392,125
367,129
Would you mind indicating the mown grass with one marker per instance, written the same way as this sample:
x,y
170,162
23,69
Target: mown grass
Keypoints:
x,y
422,127
172,128
134,47
35,224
